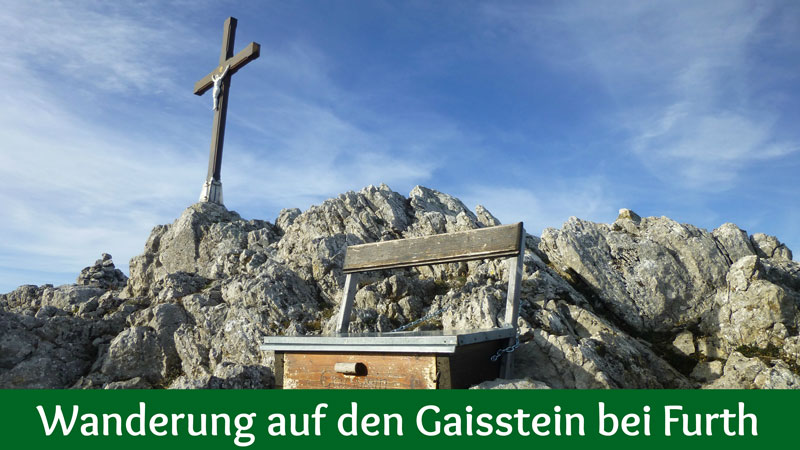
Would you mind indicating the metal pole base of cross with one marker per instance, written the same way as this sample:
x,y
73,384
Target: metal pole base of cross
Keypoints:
x,y
212,192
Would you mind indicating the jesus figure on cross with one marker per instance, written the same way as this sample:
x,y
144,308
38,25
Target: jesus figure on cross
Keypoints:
x,y
220,80
217,79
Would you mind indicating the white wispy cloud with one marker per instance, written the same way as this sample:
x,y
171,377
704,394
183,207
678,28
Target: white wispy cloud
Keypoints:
x,y
707,150
102,138
548,205
89,162
74,190
683,76
314,152
309,139
93,46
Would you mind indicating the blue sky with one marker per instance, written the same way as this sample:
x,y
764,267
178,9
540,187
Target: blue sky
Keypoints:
x,y
536,110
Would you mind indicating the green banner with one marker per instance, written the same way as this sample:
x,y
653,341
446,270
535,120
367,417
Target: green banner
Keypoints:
x,y
396,419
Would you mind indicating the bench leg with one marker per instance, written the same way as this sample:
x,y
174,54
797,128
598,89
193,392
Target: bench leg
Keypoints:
x,y
507,362
349,294
515,267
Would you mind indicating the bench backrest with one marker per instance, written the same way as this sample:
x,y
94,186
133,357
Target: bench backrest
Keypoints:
x,y
483,243
493,242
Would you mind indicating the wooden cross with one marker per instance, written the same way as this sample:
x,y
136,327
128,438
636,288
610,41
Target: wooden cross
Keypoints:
x,y
228,65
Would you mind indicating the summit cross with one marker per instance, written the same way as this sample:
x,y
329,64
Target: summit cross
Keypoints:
x,y
220,80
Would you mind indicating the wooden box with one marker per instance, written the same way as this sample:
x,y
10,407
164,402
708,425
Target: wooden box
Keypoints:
x,y
404,360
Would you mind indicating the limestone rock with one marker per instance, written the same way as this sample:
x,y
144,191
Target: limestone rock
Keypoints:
x,y
485,218
136,352
707,371
133,383
435,212
770,247
733,242
627,214
752,373
782,272
752,310
207,240
684,343
69,297
523,383
640,303
712,347
229,376
286,218
592,354
103,274
313,245
48,352
653,276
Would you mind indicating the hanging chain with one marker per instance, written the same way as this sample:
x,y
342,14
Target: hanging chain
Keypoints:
x,y
423,319
508,349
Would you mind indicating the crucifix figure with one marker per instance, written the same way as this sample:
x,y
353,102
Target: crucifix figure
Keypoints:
x,y
217,79
220,80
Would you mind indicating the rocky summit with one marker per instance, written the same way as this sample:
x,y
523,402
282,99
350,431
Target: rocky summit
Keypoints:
x,y
639,303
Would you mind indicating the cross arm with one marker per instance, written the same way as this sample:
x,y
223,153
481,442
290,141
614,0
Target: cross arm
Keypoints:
x,y
238,61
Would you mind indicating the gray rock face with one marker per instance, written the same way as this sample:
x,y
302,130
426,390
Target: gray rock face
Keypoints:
x,y
641,303
654,274
684,343
770,247
48,352
752,373
707,371
691,293
733,242
207,240
584,351
103,274
135,352
752,311
524,383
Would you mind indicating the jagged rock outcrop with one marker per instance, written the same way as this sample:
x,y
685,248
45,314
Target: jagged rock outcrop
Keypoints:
x,y
698,297
653,274
50,349
103,274
206,242
640,303
524,383
741,372
752,310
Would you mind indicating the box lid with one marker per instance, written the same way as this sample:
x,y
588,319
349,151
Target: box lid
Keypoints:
x,y
433,341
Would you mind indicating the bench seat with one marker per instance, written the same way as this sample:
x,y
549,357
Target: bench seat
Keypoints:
x,y
431,341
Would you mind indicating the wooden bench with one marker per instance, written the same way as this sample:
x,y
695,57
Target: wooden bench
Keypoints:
x,y
414,359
